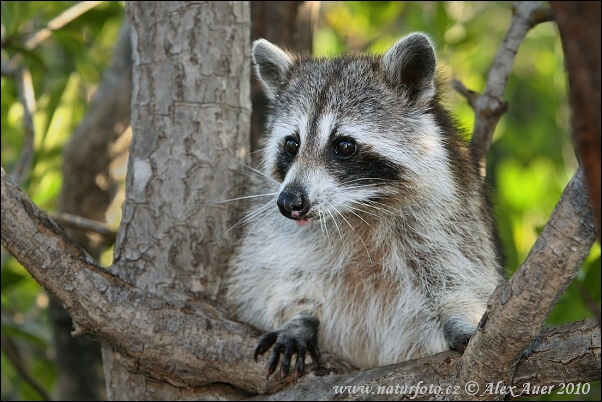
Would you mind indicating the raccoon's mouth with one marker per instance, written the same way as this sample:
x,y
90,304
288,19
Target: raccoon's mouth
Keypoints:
x,y
303,221
300,221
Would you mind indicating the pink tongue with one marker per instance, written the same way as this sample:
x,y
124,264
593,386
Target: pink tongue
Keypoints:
x,y
303,222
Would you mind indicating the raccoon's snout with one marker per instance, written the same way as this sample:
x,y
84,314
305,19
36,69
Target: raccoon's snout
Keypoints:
x,y
293,203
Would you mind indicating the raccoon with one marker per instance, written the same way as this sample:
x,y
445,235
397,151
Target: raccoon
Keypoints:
x,y
376,241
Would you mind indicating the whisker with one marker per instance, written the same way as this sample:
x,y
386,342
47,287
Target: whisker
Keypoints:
x,y
379,206
358,236
242,221
242,198
377,179
257,151
324,228
256,212
336,225
266,209
257,171
353,209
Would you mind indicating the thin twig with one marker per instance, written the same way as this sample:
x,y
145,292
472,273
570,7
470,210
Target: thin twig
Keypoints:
x,y
56,23
589,302
471,96
60,21
77,222
28,101
490,106
25,87
12,354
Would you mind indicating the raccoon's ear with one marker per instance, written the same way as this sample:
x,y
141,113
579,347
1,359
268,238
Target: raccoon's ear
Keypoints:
x,y
271,66
410,64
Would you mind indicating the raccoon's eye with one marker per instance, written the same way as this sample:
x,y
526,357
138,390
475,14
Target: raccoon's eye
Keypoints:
x,y
291,146
345,148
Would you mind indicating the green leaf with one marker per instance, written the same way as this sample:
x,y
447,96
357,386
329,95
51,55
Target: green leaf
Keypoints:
x,y
10,278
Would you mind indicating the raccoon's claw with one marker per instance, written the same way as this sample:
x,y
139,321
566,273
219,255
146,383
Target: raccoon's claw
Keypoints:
x,y
299,336
265,343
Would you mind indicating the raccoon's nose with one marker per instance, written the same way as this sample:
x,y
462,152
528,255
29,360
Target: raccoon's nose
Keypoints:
x,y
293,204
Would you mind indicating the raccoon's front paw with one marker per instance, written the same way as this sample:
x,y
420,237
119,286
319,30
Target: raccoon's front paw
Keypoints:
x,y
458,334
300,335
460,342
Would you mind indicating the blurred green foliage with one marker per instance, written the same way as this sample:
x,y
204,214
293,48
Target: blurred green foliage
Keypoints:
x,y
65,70
530,161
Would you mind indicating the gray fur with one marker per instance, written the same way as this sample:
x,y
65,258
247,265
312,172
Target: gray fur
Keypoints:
x,y
271,64
411,65
394,250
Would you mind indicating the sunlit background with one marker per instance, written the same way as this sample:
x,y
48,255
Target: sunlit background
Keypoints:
x,y
530,162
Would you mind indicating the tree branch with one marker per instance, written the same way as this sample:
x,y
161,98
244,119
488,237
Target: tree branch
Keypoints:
x,y
11,352
181,347
490,106
518,309
60,21
568,353
89,186
27,99
186,330
77,223
579,26
524,303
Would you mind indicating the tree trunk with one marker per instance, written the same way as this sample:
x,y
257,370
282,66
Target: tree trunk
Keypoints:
x,y
190,121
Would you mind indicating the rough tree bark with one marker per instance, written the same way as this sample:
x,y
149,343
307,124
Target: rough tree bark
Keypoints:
x,y
579,26
190,119
88,190
165,338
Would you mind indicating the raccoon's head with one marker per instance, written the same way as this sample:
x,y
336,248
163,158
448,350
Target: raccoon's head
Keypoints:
x,y
350,134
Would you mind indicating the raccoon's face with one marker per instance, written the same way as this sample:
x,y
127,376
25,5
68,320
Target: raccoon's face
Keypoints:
x,y
324,147
350,134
